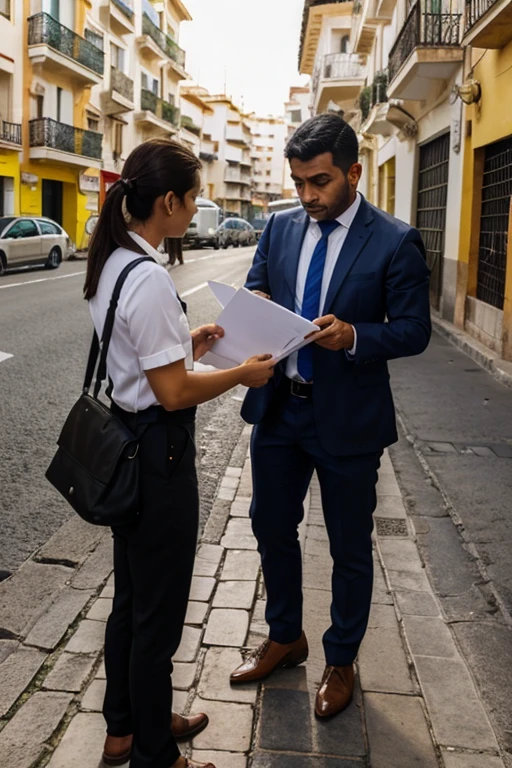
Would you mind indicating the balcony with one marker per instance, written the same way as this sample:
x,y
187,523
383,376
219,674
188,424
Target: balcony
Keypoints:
x,y
427,49
10,135
60,50
340,78
367,15
487,23
236,135
57,142
119,15
157,114
155,44
233,174
189,125
119,96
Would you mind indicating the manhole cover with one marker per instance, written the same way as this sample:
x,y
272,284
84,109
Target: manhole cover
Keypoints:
x,y
391,526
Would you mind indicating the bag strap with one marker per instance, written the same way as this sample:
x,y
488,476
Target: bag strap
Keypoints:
x,y
101,347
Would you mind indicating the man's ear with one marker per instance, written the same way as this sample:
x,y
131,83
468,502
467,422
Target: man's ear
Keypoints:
x,y
354,174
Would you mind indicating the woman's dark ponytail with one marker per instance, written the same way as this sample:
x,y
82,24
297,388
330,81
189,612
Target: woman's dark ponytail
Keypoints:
x,y
154,168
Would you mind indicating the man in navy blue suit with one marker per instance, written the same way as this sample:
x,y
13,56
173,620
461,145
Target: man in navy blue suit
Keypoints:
x,y
361,275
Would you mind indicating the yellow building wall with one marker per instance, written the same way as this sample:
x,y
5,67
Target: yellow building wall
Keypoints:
x,y
490,120
10,166
74,213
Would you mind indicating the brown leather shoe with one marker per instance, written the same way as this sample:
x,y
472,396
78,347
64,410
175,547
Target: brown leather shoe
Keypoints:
x,y
117,750
185,728
268,657
335,692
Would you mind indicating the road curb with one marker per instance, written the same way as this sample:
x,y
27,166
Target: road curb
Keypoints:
x,y
499,368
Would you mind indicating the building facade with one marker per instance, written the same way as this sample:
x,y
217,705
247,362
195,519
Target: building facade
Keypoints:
x,y
429,156
269,136
297,109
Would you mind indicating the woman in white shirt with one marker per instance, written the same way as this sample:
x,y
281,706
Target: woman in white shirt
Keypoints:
x,y
155,392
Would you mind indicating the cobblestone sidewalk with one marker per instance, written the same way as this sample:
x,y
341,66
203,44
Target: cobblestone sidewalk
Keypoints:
x,y
415,703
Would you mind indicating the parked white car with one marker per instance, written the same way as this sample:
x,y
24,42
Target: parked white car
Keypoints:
x,y
26,240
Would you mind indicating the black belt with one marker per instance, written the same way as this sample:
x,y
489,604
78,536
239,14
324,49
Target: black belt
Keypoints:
x,y
299,389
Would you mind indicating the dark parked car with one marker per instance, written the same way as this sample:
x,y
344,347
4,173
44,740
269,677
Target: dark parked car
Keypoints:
x,y
235,232
259,225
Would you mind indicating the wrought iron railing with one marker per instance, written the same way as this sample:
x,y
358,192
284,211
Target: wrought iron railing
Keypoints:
x,y
45,132
166,44
44,29
424,27
124,7
475,9
342,66
10,132
121,83
162,109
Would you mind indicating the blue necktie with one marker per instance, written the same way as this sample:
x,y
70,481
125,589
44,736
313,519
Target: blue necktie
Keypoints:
x,y
312,292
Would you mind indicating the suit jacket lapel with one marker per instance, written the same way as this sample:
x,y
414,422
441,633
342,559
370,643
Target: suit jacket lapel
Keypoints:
x,y
294,238
356,239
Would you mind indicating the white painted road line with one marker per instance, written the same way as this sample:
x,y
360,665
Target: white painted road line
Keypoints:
x,y
194,290
41,280
4,356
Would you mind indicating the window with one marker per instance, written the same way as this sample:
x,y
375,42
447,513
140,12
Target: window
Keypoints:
x,y
295,116
24,228
117,139
39,106
268,173
48,228
149,83
117,57
344,44
5,8
93,124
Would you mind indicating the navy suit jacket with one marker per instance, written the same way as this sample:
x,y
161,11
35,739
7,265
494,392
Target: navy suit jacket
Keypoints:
x,y
380,285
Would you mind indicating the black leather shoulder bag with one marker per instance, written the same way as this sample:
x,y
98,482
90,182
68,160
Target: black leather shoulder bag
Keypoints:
x,y
96,467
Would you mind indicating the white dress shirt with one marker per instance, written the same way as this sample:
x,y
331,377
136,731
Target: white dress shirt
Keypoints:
x,y
150,328
334,246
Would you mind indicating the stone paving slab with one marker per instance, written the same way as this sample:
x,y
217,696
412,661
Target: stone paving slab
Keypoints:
x,y
208,559
92,700
183,675
25,596
226,626
281,760
23,739
82,743
97,567
202,588
220,759
189,646
196,613
214,682
53,625
69,673
235,594
16,673
241,565
465,760
398,732
429,636
88,638
100,610
382,661
73,542
230,726
457,714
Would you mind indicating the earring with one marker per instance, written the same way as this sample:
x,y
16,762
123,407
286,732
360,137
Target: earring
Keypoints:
x,y
126,213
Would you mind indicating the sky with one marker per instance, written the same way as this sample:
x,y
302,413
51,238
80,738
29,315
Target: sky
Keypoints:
x,y
246,48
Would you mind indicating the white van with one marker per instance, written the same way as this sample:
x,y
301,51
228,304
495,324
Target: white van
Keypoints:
x,y
204,225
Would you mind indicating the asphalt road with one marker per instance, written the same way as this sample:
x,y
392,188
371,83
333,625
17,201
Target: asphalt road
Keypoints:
x,y
45,326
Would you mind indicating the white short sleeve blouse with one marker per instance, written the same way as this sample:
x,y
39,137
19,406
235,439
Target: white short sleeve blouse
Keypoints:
x,y
150,329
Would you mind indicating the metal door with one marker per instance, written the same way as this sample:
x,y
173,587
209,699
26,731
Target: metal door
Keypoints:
x,y
431,210
494,216
52,200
